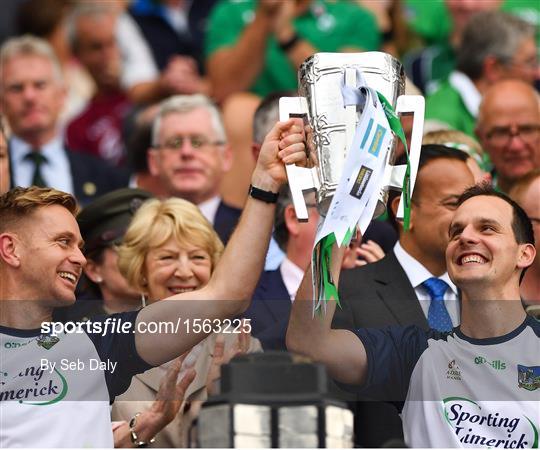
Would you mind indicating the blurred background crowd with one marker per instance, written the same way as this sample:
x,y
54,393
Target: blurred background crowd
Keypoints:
x,y
119,101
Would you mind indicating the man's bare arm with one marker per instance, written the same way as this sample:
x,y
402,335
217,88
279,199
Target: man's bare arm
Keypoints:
x,y
233,69
236,275
227,67
341,352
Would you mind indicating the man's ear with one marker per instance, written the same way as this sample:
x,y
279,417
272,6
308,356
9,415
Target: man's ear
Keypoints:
x,y
527,253
394,207
152,158
291,221
492,69
9,251
227,158
93,271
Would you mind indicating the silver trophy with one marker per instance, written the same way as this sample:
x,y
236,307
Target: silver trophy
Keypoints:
x,y
333,125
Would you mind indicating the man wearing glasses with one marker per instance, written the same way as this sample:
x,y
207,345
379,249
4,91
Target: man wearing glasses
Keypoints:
x,y
509,130
190,155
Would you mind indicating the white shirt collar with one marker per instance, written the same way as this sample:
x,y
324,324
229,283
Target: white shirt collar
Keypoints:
x,y
209,208
56,172
467,90
415,271
292,276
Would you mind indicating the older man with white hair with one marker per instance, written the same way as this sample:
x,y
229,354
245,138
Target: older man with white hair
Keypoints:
x,y
190,155
33,94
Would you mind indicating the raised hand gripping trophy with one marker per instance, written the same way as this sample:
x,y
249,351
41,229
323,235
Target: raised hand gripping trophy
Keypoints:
x,y
351,102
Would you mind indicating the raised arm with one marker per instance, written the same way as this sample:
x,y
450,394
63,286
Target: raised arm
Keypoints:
x,y
341,352
234,279
227,66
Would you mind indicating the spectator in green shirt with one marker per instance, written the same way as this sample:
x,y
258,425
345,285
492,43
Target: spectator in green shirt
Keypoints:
x,y
495,46
258,46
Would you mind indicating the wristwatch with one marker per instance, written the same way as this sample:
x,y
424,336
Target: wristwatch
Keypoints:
x,y
289,43
134,438
265,196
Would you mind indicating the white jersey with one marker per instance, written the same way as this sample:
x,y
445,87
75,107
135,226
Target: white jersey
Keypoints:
x,y
458,391
56,391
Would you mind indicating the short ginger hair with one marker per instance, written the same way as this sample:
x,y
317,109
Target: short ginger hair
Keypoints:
x,y
19,203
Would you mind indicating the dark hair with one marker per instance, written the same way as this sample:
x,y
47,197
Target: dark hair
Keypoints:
x,y
281,233
429,152
86,288
521,224
40,18
490,33
137,148
266,114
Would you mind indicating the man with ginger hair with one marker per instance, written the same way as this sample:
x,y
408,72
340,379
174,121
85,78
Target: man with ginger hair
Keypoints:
x,y
47,371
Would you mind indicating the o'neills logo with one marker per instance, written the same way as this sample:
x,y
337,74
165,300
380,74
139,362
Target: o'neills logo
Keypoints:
x,y
499,427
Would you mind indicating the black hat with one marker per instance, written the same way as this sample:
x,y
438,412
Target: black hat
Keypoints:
x,y
104,221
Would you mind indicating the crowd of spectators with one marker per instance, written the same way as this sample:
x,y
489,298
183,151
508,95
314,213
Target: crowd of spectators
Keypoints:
x,y
166,103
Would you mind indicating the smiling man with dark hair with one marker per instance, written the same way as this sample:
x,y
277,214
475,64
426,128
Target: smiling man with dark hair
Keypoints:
x,y
474,385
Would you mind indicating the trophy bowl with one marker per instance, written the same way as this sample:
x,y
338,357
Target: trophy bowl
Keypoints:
x,y
332,123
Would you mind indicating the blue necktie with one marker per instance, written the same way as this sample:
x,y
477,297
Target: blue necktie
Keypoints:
x,y
438,317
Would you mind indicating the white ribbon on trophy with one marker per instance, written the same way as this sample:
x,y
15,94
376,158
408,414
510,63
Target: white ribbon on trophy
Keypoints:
x,y
365,172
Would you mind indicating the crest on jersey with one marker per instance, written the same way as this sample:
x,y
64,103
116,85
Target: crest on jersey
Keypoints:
x,y
529,377
46,341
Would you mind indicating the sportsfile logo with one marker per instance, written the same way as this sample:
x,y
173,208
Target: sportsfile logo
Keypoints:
x,y
492,424
497,364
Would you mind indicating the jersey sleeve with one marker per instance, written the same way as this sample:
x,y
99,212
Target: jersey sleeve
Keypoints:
x,y
225,26
392,353
116,344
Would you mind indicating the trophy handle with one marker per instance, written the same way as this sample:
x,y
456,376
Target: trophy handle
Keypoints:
x,y
300,178
410,104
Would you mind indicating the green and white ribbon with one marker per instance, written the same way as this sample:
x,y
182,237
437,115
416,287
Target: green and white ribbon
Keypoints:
x,y
356,196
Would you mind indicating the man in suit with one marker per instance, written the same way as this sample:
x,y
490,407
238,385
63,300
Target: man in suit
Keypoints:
x,y
33,95
381,233
190,155
271,304
397,290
